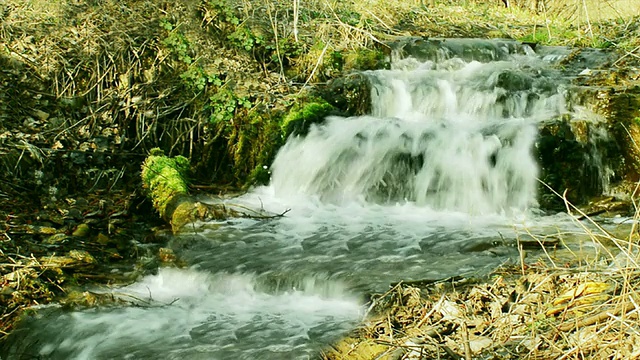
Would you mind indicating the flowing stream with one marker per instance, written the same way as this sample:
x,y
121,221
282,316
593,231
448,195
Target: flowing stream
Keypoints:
x,y
438,181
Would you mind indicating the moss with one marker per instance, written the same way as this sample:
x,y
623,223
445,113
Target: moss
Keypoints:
x,y
259,176
366,59
301,117
165,178
183,214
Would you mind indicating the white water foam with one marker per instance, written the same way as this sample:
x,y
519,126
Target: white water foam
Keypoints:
x,y
451,136
190,314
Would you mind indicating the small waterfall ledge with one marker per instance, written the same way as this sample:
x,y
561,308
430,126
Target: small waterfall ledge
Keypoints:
x,y
527,118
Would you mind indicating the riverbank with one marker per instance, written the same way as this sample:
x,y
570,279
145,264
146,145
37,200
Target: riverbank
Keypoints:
x,y
89,90
554,307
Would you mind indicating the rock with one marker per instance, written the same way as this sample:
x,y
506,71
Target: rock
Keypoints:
x,y
82,230
82,256
102,239
482,50
43,116
74,214
350,94
56,239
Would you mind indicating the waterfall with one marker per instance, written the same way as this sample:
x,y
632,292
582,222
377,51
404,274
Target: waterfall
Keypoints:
x,y
377,199
446,132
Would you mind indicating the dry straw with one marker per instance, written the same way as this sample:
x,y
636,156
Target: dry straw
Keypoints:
x,y
561,306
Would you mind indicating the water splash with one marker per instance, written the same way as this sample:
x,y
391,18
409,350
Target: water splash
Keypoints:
x,y
187,314
450,135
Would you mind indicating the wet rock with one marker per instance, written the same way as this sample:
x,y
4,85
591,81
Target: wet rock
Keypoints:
x,y
350,94
41,115
592,156
607,205
468,49
579,158
82,256
82,230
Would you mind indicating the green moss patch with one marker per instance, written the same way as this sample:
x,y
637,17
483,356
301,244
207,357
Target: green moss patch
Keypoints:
x,y
301,117
165,178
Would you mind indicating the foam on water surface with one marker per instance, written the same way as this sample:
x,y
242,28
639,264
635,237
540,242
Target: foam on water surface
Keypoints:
x,y
190,314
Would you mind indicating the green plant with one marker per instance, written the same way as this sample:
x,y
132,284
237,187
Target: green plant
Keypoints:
x,y
223,105
244,38
164,177
176,42
220,14
196,78
300,117
242,34
260,175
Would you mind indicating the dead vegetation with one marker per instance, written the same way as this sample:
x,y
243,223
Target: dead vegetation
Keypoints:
x,y
540,313
552,308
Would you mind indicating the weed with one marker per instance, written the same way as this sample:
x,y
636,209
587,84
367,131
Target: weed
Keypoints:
x,y
197,79
223,105
176,42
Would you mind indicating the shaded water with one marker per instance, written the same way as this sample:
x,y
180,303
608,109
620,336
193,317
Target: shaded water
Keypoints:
x,y
439,181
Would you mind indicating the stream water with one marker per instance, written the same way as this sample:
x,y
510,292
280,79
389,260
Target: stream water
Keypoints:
x,y
440,180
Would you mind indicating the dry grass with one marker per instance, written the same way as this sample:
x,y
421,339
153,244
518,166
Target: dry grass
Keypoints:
x,y
577,310
83,71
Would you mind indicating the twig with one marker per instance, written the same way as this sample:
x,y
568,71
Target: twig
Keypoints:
x,y
465,341
625,308
433,310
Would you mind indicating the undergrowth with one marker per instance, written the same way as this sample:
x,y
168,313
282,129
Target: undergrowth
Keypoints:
x,y
189,76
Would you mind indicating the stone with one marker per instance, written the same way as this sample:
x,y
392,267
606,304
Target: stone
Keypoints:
x,y
82,230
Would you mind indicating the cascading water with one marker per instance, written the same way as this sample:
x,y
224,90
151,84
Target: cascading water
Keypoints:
x,y
447,134
434,183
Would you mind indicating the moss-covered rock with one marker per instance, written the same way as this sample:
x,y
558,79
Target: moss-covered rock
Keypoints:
x,y
165,178
302,116
350,94
577,158
587,158
367,59
623,109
